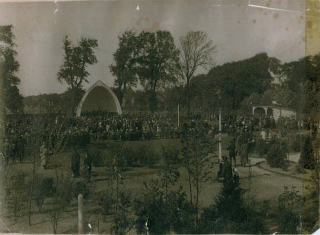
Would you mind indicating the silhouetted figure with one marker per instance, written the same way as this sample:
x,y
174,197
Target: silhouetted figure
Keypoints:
x,y
244,153
44,154
232,152
236,177
75,163
87,165
226,170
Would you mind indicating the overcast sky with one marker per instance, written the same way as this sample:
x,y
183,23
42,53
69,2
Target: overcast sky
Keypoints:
x,y
240,29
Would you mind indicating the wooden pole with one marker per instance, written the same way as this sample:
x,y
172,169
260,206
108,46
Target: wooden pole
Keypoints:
x,y
80,214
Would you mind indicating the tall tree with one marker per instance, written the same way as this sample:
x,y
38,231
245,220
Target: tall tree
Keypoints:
x,y
195,149
123,66
76,59
9,66
157,62
240,79
197,49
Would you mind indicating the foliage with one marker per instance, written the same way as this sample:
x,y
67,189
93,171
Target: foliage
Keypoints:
x,y
229,202
195,150
96,157
297,143
128,156
157,62
307,157
196,51
123,223
289,209
123,67
68,99
16,189
154,216
302,77
168,174
76,59
276,156
81,187
9,67
310,213
147,156
240,79
229,214
261,147
151,215
163,209
44,189
13,99
182,215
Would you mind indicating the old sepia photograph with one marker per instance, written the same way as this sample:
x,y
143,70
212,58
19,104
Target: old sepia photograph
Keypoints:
x,y
159,117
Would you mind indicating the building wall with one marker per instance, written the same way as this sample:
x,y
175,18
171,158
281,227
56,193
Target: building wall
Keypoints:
x,y
276,111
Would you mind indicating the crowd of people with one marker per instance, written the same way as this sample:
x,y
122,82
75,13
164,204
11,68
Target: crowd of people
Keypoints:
x,y
35,130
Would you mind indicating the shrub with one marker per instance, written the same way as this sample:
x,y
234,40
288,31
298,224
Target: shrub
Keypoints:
x,y
276,156
297,143
230,214
147,156
307,158
97,159
127,157
289,209
106,202
261,147
81,187
16,192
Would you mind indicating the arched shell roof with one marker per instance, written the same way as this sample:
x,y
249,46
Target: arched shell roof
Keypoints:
x,y
99,97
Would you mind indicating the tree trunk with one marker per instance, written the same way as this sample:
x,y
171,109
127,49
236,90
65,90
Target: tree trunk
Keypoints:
x,y
197,190
190,186
32,186
188,97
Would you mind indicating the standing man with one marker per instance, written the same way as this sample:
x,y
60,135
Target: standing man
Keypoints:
x,y
244,153
75,163
226,170
232,152
6,152
236,177
21,148
44,156
87,165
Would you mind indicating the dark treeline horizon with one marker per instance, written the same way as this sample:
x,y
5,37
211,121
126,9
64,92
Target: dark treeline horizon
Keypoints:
x,y
258,80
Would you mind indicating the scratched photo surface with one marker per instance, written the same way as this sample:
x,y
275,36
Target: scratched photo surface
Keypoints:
x,y
159,117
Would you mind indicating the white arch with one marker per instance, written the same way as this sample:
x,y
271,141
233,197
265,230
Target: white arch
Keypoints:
x,y
98,84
